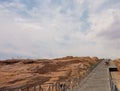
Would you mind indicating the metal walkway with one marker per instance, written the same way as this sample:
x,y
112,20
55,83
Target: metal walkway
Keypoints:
x,y
97,80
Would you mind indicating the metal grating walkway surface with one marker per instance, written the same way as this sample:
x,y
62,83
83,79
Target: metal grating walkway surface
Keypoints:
x,y
97,80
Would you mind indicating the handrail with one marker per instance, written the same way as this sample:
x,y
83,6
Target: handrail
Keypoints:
x,y
112,84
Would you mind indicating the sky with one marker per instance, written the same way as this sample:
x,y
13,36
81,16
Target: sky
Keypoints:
x,y
57,28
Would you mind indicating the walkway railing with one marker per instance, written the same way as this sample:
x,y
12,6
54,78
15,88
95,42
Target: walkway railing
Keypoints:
x,y
112,83
68,85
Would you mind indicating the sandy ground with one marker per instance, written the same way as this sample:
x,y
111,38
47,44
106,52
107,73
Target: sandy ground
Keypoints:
x,y
17,72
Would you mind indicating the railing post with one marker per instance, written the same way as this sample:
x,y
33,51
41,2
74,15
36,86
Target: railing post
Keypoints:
x,y
34,87
48,88
40,88
27,88
58,86
52,86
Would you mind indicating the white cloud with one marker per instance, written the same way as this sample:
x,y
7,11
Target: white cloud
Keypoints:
x,y
100,22
53,30
96,5
104,30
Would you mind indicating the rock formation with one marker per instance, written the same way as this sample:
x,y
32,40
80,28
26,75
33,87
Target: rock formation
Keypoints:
x,y
17,72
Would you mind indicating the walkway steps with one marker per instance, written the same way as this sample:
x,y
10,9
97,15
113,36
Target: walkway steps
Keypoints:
x,y
97,80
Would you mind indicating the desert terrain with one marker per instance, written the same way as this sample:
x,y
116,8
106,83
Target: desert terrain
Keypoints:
x,y
17,72
117,63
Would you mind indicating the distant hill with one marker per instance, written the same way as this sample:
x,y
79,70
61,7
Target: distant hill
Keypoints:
x,y
17,72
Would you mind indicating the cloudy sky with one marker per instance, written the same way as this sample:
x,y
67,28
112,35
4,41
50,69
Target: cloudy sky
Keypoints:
x,y
56,28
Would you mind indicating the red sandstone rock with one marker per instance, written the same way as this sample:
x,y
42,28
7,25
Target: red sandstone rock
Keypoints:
x,y
17,72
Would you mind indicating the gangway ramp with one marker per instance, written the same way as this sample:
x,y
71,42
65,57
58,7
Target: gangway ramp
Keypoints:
x,y
97,80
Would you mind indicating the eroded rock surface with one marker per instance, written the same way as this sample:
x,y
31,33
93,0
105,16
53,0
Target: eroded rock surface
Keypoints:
x,y
17,72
